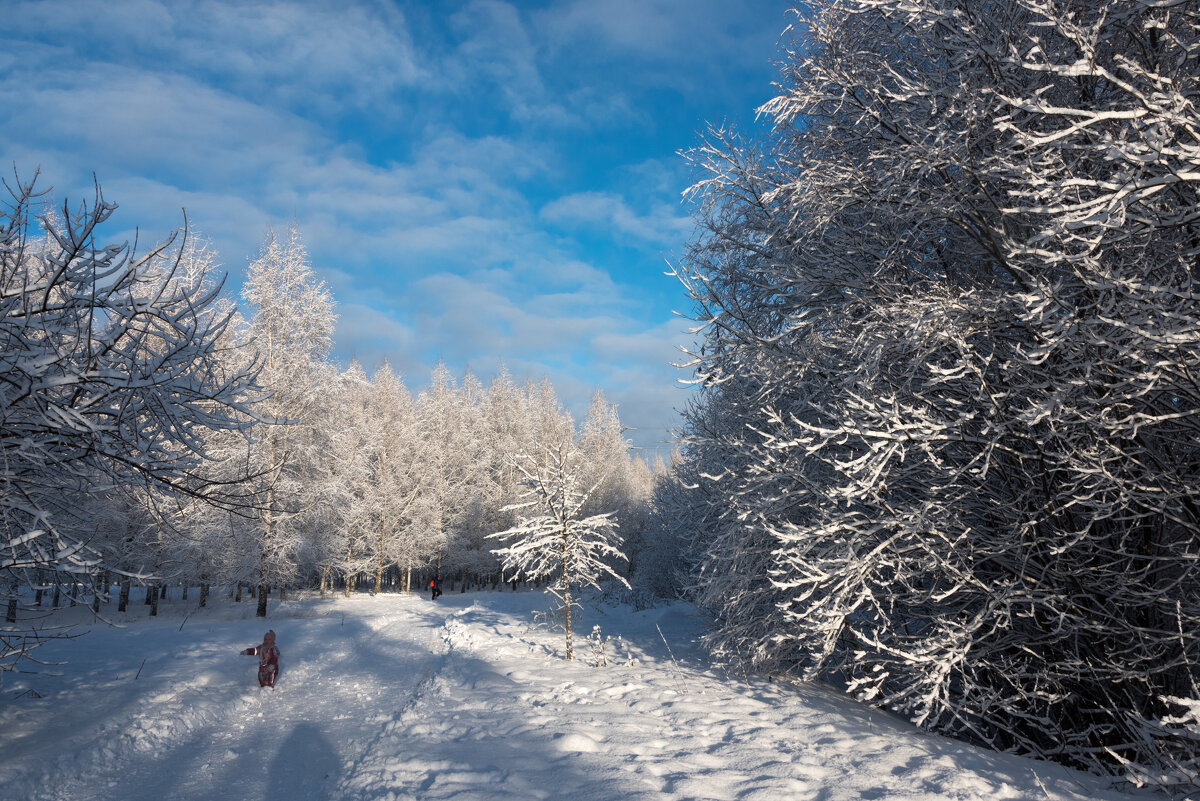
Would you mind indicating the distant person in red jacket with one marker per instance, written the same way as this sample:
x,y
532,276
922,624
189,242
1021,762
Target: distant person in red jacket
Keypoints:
x,y
268,659
435,587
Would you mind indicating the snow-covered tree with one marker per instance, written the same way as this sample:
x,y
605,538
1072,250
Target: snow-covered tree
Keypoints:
x,y
951,330
292,329
605,453
623,481
182,539
110,376
506,433
396,480
339,516
553,537
454,467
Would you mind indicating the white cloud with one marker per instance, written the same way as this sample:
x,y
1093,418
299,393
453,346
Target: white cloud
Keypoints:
x,y
664,223
127,122
313,55
496,44
657,345
373,336
693,32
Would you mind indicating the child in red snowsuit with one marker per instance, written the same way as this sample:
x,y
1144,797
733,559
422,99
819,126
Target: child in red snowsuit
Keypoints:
x,y
268,660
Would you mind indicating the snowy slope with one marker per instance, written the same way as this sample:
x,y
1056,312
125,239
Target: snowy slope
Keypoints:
x,y
396,697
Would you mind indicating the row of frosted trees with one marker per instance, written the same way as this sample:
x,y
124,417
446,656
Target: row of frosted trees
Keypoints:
x,y
947,450
153,434
358,477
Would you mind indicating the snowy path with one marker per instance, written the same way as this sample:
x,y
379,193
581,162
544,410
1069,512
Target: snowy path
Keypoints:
x,y
195,724
396,698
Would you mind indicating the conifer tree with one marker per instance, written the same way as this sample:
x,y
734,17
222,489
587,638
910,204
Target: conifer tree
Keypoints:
x,y
292,329
553,537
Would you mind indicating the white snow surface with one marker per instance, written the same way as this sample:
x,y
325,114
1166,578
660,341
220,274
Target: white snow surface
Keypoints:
x,y
396,697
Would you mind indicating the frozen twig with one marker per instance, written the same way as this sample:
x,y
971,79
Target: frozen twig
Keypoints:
x,y
678,672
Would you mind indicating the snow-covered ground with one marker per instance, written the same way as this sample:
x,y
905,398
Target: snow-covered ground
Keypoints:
x,y
395,697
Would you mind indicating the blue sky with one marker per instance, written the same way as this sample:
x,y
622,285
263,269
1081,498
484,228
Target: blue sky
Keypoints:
x,y
478,182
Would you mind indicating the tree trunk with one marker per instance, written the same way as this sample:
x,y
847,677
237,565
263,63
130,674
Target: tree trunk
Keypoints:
x,y
203,595
268,532
11,615
566,586
101,592
379,562
185,588
282,593
324,580
153,595
123,599
57,593
238,598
